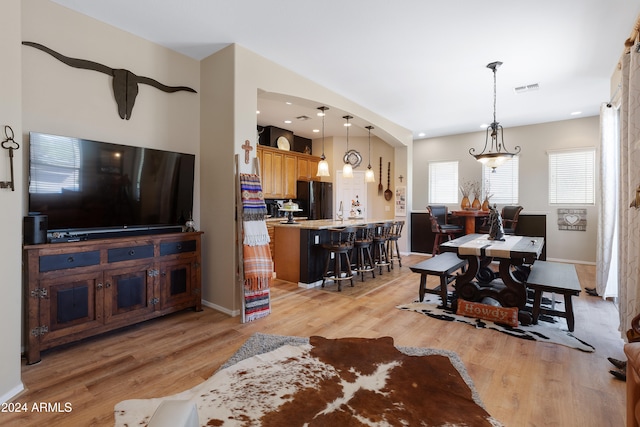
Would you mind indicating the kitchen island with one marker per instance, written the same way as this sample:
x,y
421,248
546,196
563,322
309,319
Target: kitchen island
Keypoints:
x,y
299,256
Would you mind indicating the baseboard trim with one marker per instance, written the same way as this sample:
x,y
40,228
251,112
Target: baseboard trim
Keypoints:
x,y
232,313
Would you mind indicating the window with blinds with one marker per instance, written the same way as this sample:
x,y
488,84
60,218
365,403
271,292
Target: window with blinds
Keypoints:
x,y
572,177
55,165
503,183
443,182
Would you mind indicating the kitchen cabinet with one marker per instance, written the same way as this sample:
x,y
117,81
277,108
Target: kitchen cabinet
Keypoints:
x,y
80,289
290,175
282,169
308,168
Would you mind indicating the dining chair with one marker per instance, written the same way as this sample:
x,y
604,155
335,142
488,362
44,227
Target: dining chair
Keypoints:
x,y
510,214
441,228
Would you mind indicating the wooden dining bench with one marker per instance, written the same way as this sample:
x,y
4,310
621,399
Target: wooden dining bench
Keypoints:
x,y
556,278
443,266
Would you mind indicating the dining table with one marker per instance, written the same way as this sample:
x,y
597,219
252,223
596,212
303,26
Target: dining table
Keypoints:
x,y
506,286
470,216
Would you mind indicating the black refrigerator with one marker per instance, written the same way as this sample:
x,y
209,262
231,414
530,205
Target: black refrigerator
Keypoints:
x,y
315,199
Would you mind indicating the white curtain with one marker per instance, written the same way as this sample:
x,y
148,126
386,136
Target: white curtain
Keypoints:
x,y
607,252
629,268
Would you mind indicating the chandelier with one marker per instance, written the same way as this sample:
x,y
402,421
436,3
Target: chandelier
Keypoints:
x,y
497,153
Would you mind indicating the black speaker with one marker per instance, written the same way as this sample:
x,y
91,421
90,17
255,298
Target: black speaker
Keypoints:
x,y
35,229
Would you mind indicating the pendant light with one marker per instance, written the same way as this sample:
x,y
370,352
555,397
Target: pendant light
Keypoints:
x,y
347,170
323,165
369,176
498,153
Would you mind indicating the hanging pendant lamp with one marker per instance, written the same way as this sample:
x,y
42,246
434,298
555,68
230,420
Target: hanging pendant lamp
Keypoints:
x,y
497,153
323,165
347,169
369,176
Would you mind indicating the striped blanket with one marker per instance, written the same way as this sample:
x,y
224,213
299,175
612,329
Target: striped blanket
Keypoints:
x,y
258,264
258,267
253,206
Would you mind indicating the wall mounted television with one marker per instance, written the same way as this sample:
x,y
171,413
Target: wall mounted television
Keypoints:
x,y
86,186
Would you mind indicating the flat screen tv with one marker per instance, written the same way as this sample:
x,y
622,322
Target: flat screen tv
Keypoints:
x,y
90,185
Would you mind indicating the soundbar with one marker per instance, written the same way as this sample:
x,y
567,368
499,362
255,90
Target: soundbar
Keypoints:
x,y
78,236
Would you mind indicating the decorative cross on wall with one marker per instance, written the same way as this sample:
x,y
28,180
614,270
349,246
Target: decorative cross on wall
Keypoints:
x,y
247,148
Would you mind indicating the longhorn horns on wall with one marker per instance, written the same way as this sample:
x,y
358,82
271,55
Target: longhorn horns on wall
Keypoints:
x,y
125,83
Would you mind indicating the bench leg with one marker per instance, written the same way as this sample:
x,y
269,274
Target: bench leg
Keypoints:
x,y
537,300
423,286
568,309
443,289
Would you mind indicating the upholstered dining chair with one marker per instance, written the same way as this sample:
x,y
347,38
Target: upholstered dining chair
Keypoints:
x,y
510,214
441,228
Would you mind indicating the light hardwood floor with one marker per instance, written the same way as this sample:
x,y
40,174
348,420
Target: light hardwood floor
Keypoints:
x,y
522,383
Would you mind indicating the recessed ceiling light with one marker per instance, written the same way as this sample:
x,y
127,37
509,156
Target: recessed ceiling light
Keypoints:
x,y
576,113
421,134
316,130
288,103
484,126
287,121
257,111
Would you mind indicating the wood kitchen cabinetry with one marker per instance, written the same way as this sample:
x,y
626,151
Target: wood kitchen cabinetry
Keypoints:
x,y
80,289
281,170
308,168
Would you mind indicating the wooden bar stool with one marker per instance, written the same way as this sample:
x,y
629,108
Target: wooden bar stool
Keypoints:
x,y
361,257
392,242
380,241
339,248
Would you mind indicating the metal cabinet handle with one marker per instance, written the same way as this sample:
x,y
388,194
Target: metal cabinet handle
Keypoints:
x,y
179,246
70,259
107,285
132,252
99,286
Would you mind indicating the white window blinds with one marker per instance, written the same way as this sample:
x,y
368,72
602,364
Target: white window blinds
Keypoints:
x,y
443,182
572,176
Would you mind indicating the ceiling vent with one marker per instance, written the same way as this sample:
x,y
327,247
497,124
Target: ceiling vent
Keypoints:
x,y
527,88
303,118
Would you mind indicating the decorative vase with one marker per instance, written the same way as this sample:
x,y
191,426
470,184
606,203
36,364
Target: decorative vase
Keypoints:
x,y
465,204
476,204
485,205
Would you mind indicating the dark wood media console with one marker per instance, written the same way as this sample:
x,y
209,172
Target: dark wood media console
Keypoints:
x,y
80,289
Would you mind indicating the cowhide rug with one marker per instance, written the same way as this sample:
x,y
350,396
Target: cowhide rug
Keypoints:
x,y
549,328
331,382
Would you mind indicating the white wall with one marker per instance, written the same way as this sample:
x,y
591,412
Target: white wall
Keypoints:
x,y
231,79
535,140
11,202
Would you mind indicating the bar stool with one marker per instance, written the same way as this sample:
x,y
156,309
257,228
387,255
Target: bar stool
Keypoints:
x,y
361,257
380,239
339,247
392,243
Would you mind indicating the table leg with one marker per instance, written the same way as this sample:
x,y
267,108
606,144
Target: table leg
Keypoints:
x,y
466,287
470,224
515,292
